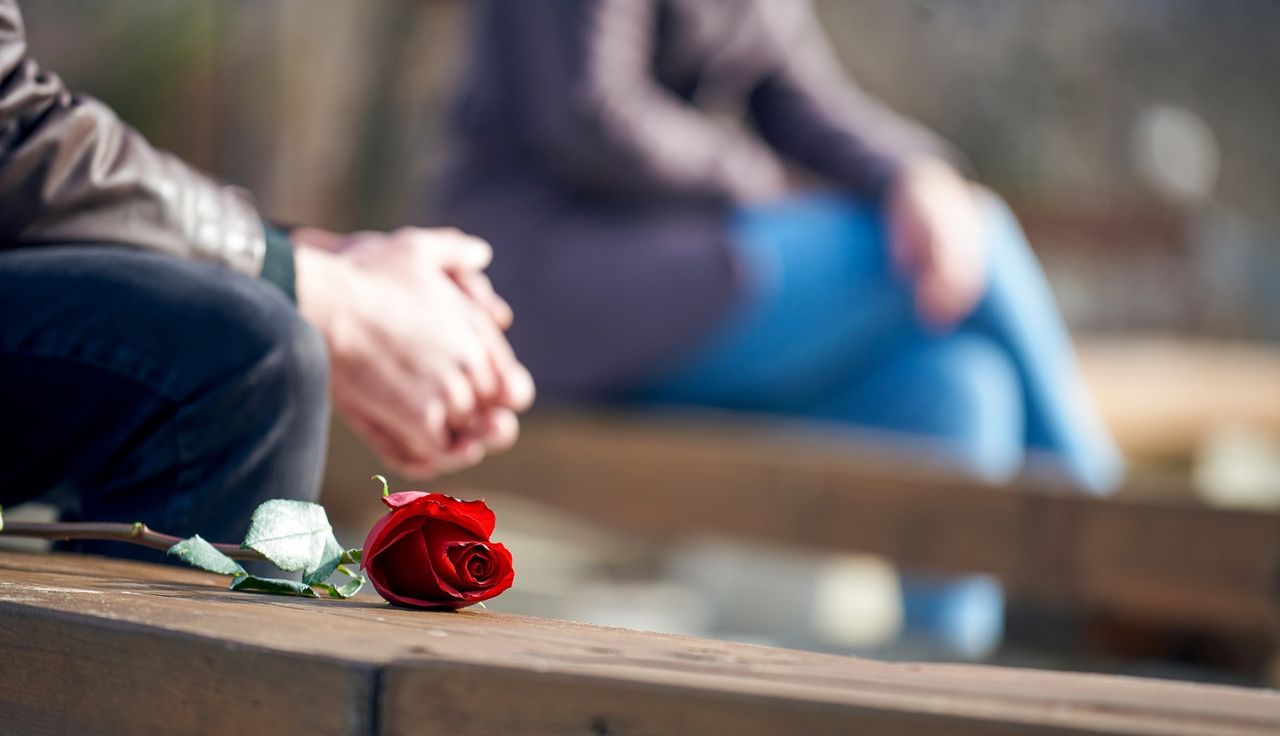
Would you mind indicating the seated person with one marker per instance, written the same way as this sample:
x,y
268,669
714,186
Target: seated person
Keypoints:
x,y
167,357
654,251
692,204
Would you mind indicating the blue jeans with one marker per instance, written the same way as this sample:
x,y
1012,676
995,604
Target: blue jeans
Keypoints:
x,y
830,333
140,387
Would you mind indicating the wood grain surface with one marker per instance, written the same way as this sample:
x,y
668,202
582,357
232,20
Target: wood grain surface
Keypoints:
x,y
94,646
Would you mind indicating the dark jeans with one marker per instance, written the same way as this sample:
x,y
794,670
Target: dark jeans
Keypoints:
x,y
140,387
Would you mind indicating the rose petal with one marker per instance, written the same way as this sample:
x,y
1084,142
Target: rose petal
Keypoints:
x,y
473,515
501,586
503,575
388,529
403,570
473,564
391,534
479,564
502,563
440,535
403,498
371,542
477,512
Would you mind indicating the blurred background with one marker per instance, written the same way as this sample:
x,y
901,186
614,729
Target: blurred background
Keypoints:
x,y
1136,140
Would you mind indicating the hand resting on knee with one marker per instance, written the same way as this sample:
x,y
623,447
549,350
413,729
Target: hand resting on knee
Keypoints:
x,y
936,241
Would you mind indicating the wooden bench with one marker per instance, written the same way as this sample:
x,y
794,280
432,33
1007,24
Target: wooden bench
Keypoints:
x,y
1171,562
1154,555
93,646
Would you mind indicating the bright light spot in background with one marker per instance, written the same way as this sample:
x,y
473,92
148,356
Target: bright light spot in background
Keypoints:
x,y
857,603
1238,466
1176,153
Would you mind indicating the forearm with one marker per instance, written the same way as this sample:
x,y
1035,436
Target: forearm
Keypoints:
x,y
848,138
811,112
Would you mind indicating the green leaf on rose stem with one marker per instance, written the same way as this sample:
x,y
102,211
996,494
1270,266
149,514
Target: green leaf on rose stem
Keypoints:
x,y
253,584
332,557
346,590
195,551
295,535
386,488
352,556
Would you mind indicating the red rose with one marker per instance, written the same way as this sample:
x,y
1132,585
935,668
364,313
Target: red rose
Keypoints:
x,y
433,551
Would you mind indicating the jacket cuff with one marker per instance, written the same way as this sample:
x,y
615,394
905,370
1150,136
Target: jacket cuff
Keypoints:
x,y
277,260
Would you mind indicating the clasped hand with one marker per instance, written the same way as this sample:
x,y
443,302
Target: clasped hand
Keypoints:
x,y
420,367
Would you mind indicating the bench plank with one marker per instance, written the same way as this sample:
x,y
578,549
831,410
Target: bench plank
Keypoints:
x,y
98,647
1173,563
107,647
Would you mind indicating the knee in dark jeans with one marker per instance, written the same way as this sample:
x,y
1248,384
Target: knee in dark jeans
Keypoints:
x,y
261,432
197,392
286,368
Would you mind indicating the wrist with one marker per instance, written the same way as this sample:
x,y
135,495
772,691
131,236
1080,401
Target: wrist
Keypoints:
x,y
926,168
317,239
317,276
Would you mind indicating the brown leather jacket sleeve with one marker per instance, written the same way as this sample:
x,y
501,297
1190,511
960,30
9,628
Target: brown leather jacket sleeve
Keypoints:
x,y
71,171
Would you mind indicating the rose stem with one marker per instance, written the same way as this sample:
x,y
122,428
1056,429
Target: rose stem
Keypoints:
x,y
137,533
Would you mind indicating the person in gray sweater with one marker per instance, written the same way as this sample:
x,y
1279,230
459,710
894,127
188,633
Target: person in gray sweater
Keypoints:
x,y
690,202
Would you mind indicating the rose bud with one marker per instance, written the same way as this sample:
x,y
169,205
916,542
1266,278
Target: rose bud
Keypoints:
x,y
433,551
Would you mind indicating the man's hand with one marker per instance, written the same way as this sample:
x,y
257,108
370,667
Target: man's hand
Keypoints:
x,y
420,367
935,241
464,257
